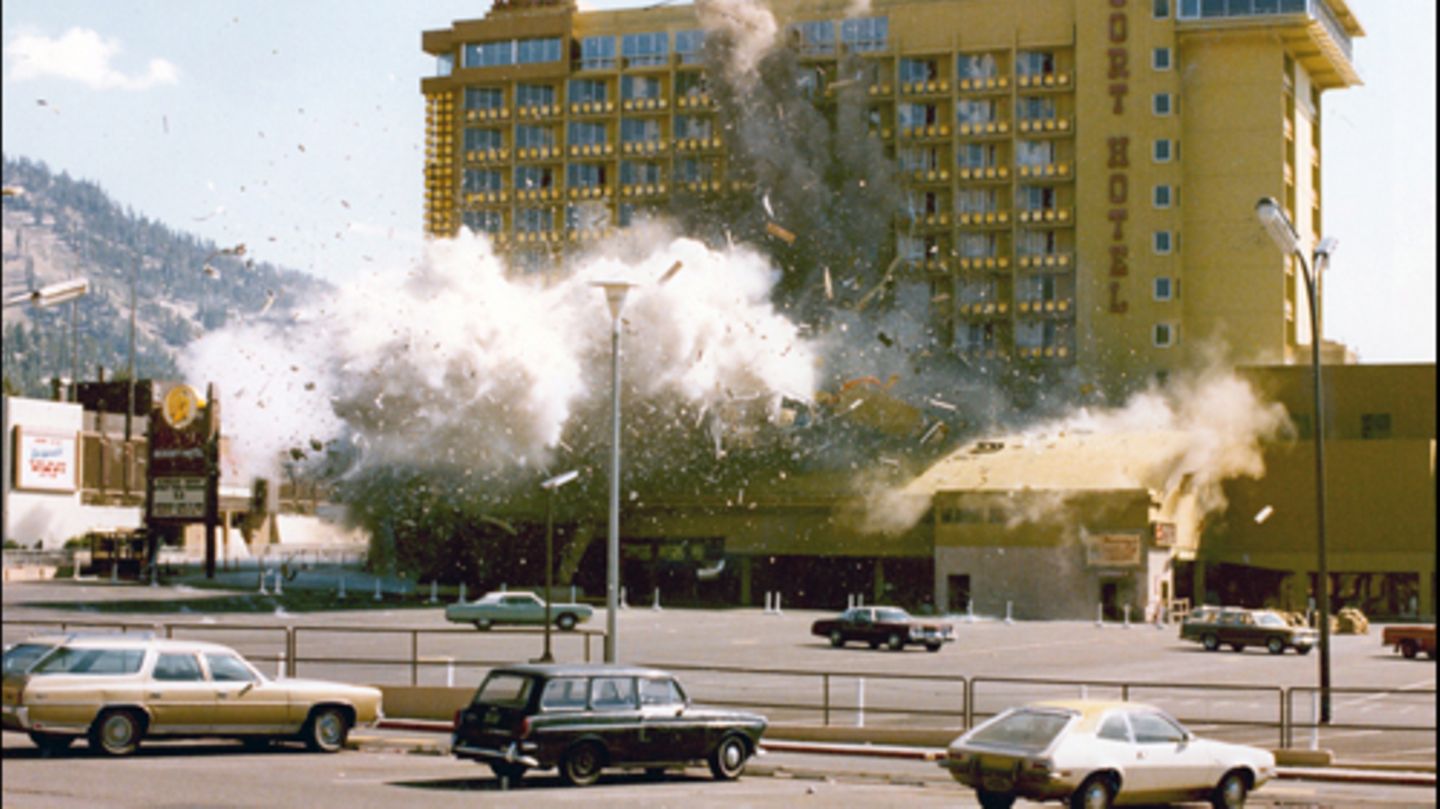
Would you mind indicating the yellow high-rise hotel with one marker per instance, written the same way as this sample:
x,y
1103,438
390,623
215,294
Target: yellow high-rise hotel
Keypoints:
x,y
1083,172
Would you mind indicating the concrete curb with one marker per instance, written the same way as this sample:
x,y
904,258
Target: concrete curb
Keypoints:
x,y
1389,773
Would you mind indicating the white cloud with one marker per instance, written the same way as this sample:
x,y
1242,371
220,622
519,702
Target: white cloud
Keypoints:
x,y
81,55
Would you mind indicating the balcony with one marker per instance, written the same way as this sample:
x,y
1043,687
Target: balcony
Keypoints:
x,y
1050,352
925,87
988,84
971,263
986,174
1320,38
537,111
592,150
928,132
984,310
1044,126
697,101
1046,216
929,176
486,155
642,190
968,219
696,144
538,153
1049,261
592,108
537,194
1044,307
978,129
1044,81
646,147
1043,170
645,104
589,192
496,114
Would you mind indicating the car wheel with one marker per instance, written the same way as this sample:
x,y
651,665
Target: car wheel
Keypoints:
x,y
508,770
51,743
895,643
1276,646
326,730
932,647
1302,650
1239,647
727,760
1231,791
1096,793
837,638
1409,649
582,764
483,624
1211,643
994,800
566,621
874,644
117,733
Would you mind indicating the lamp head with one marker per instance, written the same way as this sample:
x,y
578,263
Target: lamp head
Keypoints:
x,y
1326,247
1277,224
615,292
60,293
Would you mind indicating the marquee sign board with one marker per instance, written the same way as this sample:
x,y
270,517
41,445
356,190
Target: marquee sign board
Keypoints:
x,y
1112,550
45,461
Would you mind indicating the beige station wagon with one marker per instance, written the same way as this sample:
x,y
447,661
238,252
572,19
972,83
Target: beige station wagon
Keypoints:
x,y
116,690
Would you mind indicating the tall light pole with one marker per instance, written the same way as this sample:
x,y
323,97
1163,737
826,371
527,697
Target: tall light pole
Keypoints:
x,y
615,292
550,486
1280,228
54,295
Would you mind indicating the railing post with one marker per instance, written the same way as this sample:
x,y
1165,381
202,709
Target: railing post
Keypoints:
x,y
1284,719
290,650
825,699
414,657
970,703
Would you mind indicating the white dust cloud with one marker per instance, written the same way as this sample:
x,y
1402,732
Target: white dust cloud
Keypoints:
x,y
752,29
456,366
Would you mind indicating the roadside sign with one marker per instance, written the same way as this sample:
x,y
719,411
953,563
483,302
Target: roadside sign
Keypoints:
x,y
179,498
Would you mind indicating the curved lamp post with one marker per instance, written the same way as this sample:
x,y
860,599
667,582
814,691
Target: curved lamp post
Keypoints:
x,y
615,292
1280,228
550,486
54,295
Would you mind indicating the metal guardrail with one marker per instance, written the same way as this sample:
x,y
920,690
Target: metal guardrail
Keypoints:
x,y
968,711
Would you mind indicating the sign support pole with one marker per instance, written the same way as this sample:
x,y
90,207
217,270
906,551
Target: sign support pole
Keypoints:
x,y
212,477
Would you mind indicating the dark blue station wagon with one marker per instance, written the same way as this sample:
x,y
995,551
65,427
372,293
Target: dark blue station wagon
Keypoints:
x,y
585,718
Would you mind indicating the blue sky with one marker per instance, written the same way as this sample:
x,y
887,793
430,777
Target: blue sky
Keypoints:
x,y
297,128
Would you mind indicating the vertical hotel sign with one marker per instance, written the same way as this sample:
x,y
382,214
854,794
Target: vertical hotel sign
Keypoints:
x,y
45,461
1117,186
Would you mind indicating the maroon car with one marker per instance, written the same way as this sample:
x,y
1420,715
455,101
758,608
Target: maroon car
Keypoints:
x,y
890,626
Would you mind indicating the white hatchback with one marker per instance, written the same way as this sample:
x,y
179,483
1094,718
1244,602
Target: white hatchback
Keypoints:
x,y
1100,754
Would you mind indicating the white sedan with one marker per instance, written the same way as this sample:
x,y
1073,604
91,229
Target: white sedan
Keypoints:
x,y
516,607
1100,754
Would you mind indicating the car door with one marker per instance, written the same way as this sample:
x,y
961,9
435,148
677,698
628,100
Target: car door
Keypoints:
x,y
666,734
1162,769
861,626
616,716
180,698
245,701
523,609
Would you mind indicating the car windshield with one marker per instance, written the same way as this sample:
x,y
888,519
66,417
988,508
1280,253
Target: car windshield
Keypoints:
x,y
21,656
505,688
1269,619
893,615
69,660
1028,730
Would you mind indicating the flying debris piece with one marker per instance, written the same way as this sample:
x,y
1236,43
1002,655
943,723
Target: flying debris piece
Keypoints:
x,y
510,529
829,287
889,273
344,203
165,123
941,298
943,405
297,454
316,445
309,386
932,432
301,146
890,461
211,271
40,102
769,211
1264,514
885,339
14,191
670,273
269,302
780,233
836,85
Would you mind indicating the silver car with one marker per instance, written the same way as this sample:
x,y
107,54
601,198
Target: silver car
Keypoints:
x,y
516,607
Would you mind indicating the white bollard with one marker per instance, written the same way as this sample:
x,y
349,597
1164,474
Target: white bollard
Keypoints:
x,y
340,594
279,583
378,596
1125,610
768,609
434,592
1159,616
573,594
264,574
860,702
449,672
1008,618
656,606
777,603
114,572
461,598
970,611
502,586
1315,721
624,605
1100,615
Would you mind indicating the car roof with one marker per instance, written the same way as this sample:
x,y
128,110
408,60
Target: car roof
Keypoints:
x,y
549,670
503,593
1090,710
121,641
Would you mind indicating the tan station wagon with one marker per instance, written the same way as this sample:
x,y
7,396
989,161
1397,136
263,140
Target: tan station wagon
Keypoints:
x,y
116,690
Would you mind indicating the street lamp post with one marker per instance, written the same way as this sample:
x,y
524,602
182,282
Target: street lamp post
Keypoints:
x,y
550,486
615,292
54,295
1273,217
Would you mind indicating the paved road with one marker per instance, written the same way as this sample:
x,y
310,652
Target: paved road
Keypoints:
x,y
194,775
986,651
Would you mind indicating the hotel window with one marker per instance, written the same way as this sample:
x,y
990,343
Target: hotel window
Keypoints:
x,y
693,170
586,90
1163,242
974,111
1034,63
975,155
534,220
690,84
693,126
1161,103
922,203
484,98
639,130
1160,9
634,88
814,38
488,54
1164,335
483,221
975,291
536,51
481,180
476,138
444,64
976,335
585,175
530,137
593,215
587,133
976,200
1163,150
645,50
1038,288
1374,426
1163,289
1037,243
865,34
534,95
1163,195
976,66
1035,108
634,172
919,70
1160,58
625,214
923,158
597,53
913,115
690,45
1035,198
977,245
1034,152
533,177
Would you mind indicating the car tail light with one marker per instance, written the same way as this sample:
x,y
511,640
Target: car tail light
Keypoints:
x,y
524,727
1038,766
